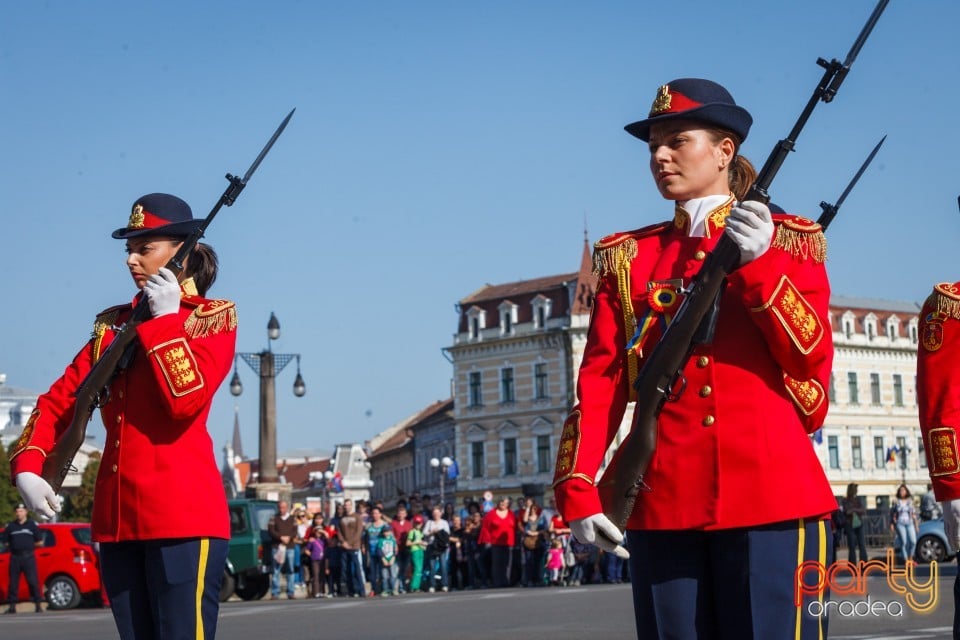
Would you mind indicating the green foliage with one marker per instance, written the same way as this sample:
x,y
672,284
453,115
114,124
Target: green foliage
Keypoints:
x,y
9,497
78,507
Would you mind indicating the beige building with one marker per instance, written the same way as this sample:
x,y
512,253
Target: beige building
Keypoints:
x,y
515,356
872,434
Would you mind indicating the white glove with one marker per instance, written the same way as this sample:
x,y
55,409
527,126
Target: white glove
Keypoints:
x,y
750,226
163,293
38,494
599,530
951,522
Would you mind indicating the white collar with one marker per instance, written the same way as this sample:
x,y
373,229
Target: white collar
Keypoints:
x,y
698,208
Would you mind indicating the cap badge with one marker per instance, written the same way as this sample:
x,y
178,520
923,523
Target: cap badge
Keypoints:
x,y
662,102
136,217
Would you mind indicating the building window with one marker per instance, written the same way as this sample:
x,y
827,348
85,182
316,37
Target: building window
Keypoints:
x,y
506,385
848,320
476,394
902,451
921,453
856,455
893,328
541,311
913,331
874,388
870,326
543,454
832,390
897,390
852,386
540,380
508,318
834,452
476,459
510,456
476,322
879,456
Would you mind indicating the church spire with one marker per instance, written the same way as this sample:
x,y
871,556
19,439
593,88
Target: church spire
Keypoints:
x,y
237,445
586,281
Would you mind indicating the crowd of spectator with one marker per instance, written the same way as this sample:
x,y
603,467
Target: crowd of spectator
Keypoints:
x,y
362,551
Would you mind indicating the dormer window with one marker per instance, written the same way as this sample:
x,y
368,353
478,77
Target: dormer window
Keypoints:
x,y
893,328
476,322
541,311
848,324
870,326
913,330
508,317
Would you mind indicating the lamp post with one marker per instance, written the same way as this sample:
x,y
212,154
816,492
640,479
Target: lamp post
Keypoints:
x,y
442,464
324,479
267,365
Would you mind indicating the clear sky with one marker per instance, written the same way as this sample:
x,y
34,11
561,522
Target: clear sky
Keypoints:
x,y
437,146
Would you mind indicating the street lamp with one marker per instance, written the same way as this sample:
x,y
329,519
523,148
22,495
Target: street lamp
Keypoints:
x,y
267,365
326,477
443,464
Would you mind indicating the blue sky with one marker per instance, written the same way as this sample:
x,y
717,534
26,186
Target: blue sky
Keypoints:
x,y
437,146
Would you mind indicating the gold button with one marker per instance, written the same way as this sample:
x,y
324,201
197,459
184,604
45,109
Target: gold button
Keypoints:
x,y
709,420
117,444
703,361
114,468
118,419
705,391
700,255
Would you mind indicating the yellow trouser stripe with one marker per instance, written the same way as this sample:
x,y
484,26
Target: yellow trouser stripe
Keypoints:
x,y
201,579
801,541
822,532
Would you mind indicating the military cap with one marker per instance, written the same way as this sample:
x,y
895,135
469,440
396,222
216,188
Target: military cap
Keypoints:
x,y
158,214
694,99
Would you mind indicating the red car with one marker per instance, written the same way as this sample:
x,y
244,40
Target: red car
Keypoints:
x,y
68,567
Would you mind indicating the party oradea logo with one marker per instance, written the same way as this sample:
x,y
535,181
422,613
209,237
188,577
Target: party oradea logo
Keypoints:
x,y
847,585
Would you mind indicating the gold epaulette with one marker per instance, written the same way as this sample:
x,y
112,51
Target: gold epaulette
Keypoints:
x,y
800,237
105,319
946,299
618,249
209,317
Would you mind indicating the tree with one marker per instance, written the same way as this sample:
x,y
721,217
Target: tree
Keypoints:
x,y
79,506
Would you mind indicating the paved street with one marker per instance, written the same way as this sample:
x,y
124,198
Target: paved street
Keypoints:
x,y
602,611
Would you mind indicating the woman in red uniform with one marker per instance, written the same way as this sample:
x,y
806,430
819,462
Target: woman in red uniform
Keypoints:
x,y
160,511
737,493
938,399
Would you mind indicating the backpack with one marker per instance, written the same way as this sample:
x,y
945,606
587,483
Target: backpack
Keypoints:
x,y
441,540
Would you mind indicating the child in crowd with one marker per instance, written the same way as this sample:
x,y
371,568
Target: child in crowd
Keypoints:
x,y
417,546
555,561
315,551
388,557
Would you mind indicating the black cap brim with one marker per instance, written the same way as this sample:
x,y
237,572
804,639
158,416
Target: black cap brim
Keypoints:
x,y
184,229
725,116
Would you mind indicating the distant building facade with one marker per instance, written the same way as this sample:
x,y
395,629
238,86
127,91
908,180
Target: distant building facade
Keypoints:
x,y
515,359
872,432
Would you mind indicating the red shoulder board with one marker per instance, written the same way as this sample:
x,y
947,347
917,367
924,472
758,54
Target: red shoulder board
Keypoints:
x,y
616,250
800,237
209,317
614,239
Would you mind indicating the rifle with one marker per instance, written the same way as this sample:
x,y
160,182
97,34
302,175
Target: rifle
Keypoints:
x,y
661,378
93,391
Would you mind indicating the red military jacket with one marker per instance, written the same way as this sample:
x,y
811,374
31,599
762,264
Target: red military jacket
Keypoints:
x,y
158,476
734,449
938,387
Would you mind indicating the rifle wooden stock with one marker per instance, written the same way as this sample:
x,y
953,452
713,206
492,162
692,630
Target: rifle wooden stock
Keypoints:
x,y
622,481
59,461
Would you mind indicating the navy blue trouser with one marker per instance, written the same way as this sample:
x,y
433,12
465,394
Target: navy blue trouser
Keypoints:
x,y
164,589
735,584
25,563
